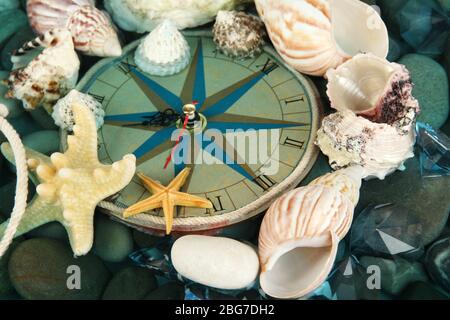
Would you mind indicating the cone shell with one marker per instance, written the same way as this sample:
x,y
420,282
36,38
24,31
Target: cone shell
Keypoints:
x,y
164,51
238,35
92,30
316,35
49,75
299,237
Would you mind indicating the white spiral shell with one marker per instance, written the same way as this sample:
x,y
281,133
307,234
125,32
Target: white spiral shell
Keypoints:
x,y
63,114
316,35
164,51
92,31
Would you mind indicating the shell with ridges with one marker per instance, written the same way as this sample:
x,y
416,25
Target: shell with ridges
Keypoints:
x,y
316,35
145,15
50,74
298,239
92,31
238,35
164,51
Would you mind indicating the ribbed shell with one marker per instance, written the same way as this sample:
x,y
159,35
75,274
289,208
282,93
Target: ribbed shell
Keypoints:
x,y
304,213
91,29
315,35
238,35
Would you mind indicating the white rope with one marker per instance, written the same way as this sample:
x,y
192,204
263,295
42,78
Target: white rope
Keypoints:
x,y
20,200
111,207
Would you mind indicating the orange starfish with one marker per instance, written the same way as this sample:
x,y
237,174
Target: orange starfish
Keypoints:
x,y
166,198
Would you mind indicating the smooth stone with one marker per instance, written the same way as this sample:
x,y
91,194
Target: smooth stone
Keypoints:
x,y
447,57
113,241
437,262
445,4
427,198
415,22
395,49
12,21
215,262
6,287
144,240
44,119
51,230
38,270
8,4
132,283
389,10
168,291
395,275
7,194
430,88
423,291
25,125
14,106
45,142
21,37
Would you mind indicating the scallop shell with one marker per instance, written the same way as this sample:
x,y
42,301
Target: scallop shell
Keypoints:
x,y
348,139
316,35
145,15
374,88
63,114
299,237
164,51
238,35
92,31
49,75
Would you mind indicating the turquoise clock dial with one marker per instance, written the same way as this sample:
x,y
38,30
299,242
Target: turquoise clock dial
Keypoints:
x,y
253,139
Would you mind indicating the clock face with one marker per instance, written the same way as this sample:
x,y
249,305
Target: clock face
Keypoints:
x,y
253,140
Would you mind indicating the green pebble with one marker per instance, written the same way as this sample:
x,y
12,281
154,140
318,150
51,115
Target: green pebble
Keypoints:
x,y
7,194
9,4
14,106
45,142
6,287
24,125
12,21
395,275
445,4
168,291
51,230
430,88
423,291
21,37
113,241
38,270
132,283
43,118
144,240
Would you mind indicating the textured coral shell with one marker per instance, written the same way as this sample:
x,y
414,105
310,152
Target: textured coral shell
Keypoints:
x,y
91,29
316,35
299,237
145,15
238,35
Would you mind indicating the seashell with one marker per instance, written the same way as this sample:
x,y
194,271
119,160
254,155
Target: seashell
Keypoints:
x,y
92,31
238,35
299,237
164,51
375,89
215,262
63,114
49,75
348,139
145,15
316,35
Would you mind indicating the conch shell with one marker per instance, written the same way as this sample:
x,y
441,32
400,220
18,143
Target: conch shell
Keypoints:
x,y
49,75
91,29
316,35
145,15
164,51
374,125
300,232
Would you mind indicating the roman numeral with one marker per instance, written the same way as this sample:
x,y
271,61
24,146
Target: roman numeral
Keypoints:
x,y
294,143
295,99
97,97
217,204
264,182
268,67
125,67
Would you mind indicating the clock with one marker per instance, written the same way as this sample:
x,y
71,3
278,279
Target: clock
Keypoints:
x,y
253,139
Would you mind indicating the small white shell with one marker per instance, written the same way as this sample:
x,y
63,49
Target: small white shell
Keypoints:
x,y
163,52
63,114
92,31
316,35
238,35
145,15
299,237
49,75
215,262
